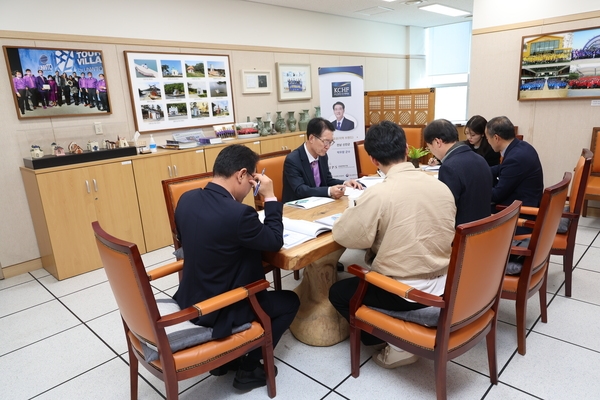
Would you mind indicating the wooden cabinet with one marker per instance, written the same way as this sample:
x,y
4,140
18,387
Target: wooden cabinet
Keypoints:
x,y
63,205
278,143
149,173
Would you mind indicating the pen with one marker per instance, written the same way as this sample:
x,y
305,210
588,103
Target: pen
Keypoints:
x,y
258,183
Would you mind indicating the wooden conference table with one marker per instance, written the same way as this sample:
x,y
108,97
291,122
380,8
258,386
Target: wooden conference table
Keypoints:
x,y
317,322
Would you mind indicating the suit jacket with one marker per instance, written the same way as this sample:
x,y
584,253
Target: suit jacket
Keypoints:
x,y
298,179
468,176
223,240
347,125
519,176
40,81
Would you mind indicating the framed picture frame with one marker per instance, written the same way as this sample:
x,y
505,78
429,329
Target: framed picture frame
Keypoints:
x,y
560,66
179,91
293,82
47,82
256,81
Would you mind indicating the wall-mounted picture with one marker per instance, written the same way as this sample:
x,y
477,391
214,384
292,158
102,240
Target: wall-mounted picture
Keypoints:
x,y
176,91
560,65
254,81
50,82
293,82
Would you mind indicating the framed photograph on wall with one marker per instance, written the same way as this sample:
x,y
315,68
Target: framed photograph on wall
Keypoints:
x,y
177,91
560,65
51,82
254,81
293,82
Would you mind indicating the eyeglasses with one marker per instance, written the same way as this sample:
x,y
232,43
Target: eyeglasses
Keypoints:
x,y
327,143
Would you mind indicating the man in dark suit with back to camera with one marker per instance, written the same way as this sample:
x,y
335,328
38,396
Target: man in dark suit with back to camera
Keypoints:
x,y
341,123
306,169
465,172
223,240
519,176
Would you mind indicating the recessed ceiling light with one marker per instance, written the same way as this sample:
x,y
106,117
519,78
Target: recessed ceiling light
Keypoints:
x,y
413,2
374,10
389,1
437,8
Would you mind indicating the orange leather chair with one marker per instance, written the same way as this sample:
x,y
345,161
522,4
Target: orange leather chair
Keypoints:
x,y
145,326
564,243
175,187
532,278
272,163
468,307
592,190
364,166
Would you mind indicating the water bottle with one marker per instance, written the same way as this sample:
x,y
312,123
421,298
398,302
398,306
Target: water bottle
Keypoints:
x,y
152,144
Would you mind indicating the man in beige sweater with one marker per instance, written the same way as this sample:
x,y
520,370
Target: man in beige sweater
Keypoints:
x,y
406,223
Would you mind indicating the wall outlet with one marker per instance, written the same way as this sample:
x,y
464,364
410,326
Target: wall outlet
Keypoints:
x,y
98,128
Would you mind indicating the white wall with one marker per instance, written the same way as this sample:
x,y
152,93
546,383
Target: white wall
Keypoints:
x,y
251,34
558,129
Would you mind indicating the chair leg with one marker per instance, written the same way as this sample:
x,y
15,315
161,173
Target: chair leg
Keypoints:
x,y
543,303
269,366
277,278
521,309
171,387
584,209
491,350
296,275
354,351
440,364
133,375
568,268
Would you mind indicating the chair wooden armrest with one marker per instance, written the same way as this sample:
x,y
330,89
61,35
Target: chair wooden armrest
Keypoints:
x,y
398,288
529,210
569,215
165,270
527,223
520,251
213,304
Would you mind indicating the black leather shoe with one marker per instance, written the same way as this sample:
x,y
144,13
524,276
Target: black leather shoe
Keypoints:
x,y
340,267
248,380
224,369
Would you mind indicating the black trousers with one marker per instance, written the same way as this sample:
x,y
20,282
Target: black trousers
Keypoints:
x,y
92,98
281,306
104,101
342,291
22,99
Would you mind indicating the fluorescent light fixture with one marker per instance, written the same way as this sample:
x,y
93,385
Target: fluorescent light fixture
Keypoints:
x,y
438,8
374,10
413,2
389,1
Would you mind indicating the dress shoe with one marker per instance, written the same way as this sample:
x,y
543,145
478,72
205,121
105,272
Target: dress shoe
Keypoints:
x,y
340,267
248,380
391,358
225,368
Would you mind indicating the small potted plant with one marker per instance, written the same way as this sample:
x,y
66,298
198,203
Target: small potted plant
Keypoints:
x,y
415,153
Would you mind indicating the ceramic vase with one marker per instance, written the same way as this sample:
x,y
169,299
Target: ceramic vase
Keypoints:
x,y
317,111
307,114
303,122
280,123
291,122
260,126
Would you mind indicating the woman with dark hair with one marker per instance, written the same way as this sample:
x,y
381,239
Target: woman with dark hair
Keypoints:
x,y
475,132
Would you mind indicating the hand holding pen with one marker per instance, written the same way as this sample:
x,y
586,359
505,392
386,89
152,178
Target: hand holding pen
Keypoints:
x,y
264,185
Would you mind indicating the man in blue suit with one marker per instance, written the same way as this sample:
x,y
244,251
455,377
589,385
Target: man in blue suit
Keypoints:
x,y
519,176
306,169
341,123
223,239
465,172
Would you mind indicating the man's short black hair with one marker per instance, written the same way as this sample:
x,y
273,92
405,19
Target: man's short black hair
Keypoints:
x,y
339,103
502,127
232,159
316,126
440,129
386,142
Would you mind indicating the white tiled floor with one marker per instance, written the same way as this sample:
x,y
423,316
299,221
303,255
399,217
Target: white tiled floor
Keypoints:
x,y
64,340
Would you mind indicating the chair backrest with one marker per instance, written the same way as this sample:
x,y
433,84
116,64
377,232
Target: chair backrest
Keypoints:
x,y
129,283
364,166
414,135
580,177
479,255
273,165
175,187
546,224
595,147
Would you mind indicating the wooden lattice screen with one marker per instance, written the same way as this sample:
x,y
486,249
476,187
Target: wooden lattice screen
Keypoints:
x,y
404,107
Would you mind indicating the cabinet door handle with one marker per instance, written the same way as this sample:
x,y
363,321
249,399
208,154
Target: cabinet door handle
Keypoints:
x,y
87,186
169,167
175,170
95,185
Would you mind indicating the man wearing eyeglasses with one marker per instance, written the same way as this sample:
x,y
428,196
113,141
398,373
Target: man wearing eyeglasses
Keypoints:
x,y
306,169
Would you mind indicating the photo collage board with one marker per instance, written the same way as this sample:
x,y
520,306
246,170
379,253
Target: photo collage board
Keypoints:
x,y
173,91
